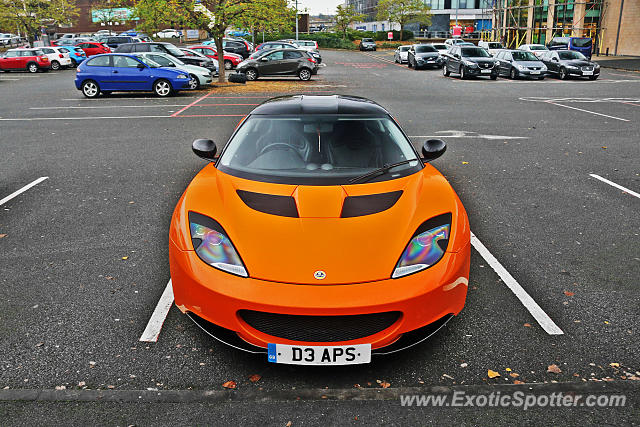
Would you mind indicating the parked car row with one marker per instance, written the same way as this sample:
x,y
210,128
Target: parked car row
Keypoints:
x,y
41,58
491,60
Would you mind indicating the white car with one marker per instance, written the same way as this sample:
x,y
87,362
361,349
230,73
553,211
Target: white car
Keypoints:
x,y
57,57
308,45
454,41
440,47
537,49
7,39
200,76
491,47
400,55
169,33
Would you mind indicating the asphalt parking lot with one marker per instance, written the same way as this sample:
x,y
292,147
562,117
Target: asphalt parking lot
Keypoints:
x,y
541,167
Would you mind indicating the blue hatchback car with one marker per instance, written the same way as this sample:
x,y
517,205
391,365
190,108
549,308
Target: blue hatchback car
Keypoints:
x,y
113,72
76,54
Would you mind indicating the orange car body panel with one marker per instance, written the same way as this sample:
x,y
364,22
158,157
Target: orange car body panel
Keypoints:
x,y
358,254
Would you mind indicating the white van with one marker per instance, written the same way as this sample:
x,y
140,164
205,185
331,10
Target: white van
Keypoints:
x,y
491,47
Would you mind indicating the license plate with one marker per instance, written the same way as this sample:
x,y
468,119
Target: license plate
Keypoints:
x,y
319,355
485,71
534,72
587,73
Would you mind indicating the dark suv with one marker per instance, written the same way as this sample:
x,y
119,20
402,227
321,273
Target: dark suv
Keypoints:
x,y
114,41
168,48
239,47
469,61
280,62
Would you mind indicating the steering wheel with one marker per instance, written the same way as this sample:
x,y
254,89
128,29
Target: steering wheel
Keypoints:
x,y
278,146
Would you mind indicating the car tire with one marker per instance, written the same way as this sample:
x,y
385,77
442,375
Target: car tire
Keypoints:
x,y
494,77
445,71
90,89
395,59
252,74
462,74
32,67
162,88
513,74
55,65
593,77
74,63
304,74
228,65
409,63
563,74
194,83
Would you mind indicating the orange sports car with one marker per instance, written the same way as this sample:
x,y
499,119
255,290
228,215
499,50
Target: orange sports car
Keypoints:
x,y
319,235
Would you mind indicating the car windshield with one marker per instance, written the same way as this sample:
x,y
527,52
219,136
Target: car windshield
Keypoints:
x,y
317,149
475,52
440,46
367,40
404,48
581,42
423,49
523,56
568,54
537,47
173,50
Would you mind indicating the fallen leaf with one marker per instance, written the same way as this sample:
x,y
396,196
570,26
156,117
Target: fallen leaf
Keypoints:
x,y
614,365
447,376
569,293
514,375
527,325
508,369
255,378
606,322
384,384
81,384
92,363
604,146
492,374
464,365
288,424
229,384
40,344
518,382
111,387
125,258
61,387
2,235
465,163
553,369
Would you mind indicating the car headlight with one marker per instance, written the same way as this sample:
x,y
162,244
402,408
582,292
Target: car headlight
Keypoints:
x,y
470,64
573,67
182,76
213,246
521,67
426,248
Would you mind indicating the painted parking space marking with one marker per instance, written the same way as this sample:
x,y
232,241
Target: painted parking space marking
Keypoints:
x,y
613,184
22,119
587,111
106,106
529,303
190,105
556,101
23,189
154,326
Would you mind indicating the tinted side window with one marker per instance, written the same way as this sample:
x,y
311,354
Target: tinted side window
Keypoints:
x,y
100,61
276,56
126,48
290,54
156,48
13,54
141,48
161,60
47,50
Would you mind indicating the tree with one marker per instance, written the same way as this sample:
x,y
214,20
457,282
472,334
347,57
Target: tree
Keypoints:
x,y
345,15
30,16
404,12
266,15
153,15
107,12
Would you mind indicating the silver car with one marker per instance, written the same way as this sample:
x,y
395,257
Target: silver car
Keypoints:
x,y
520,63
400,55
537,49
200,76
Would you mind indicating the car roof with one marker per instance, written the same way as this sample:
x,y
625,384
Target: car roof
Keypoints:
x,y
319,104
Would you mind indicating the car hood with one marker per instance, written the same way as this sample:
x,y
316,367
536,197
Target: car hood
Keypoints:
x,y
479,59
577,62
349,250
529,63
427,55
193,69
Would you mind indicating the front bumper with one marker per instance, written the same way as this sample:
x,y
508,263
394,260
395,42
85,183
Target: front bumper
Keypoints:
x,y
581,73
532,73
367,47
217,297
477,71
437,62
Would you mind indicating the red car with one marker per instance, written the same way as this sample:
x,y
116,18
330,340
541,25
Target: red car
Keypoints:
x,y
93,48
231,60
31,60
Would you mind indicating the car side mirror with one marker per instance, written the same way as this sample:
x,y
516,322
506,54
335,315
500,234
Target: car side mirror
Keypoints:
x,y
554,59
456,56
432,149
141,66
204,148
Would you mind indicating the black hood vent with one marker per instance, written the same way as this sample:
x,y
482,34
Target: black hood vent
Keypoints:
x,y
369,204
270,203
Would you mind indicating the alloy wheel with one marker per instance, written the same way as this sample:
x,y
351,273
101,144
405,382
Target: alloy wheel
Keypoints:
x,y
162,88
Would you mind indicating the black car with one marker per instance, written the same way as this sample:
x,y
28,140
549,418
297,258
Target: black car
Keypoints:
x,y
520,63
276,45
565,63
423,55
169,48
239,47
469,61
115,41
367,44
280,62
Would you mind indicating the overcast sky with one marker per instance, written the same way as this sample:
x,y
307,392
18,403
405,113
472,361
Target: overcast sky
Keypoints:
x,y
319,6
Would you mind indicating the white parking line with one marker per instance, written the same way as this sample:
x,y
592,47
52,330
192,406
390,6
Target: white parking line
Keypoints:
x,y
529,303
613,184
587,111
152,331
22,190
81,118
106,106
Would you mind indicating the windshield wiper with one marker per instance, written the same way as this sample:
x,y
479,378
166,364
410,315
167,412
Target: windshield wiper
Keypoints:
x,y
380,171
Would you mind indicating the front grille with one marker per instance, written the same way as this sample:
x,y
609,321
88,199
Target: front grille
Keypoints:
x,y
535,68
319,328
587,68
484,64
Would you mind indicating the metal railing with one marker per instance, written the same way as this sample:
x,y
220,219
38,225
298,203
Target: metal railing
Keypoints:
x,y
444,35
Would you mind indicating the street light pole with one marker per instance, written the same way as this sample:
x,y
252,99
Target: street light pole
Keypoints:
x,y
296,20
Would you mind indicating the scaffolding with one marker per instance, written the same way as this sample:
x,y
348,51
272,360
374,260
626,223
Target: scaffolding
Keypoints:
x,y
515,22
